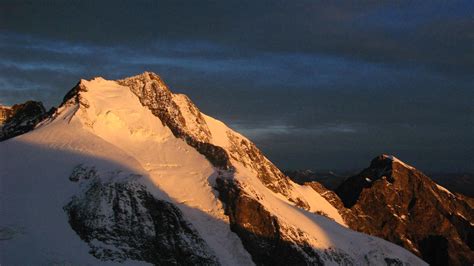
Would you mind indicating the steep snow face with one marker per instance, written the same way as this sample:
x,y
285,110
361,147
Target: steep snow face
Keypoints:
x,y
396,160
137,128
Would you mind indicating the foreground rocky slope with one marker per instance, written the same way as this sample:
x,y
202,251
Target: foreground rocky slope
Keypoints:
x,y
126,171
134,224
395,201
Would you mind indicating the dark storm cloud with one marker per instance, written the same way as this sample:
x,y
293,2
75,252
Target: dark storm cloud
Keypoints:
x,y
437,34
315,84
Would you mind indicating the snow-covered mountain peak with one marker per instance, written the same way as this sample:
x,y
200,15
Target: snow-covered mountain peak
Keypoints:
x,y
139,173
109,108
144,81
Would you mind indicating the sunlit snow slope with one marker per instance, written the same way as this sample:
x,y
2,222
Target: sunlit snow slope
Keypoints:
x,y
111,152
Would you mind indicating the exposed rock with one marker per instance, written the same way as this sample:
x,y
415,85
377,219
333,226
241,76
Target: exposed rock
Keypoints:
x,y
122,220
397,202
82,172
20,118
73,96
5,113
272,242
246,153
260,231
349,217
154,94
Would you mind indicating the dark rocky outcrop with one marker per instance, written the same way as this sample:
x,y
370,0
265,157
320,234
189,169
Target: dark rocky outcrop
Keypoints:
x,y
349,217
20,118
121,220
73,96
246,153
269,240
397,202
260,231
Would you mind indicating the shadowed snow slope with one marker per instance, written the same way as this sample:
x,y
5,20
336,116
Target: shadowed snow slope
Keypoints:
x,y
126,171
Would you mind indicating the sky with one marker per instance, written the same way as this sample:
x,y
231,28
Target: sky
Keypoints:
x,y
315,84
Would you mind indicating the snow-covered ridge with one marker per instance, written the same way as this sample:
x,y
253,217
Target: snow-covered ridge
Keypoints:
x,y
138,127
396,160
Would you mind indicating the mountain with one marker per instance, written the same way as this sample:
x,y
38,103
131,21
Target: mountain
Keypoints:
x,y
20,118
393,200
126,171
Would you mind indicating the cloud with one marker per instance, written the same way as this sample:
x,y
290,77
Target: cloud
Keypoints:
x,y
343,79
203,63
256,132
433,34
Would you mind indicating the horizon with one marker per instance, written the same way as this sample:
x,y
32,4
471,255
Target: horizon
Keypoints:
x,y
315,86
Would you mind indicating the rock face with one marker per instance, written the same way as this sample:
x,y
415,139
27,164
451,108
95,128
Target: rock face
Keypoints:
x,y
20,118
395,201
122,220
155,95
5,113
349,216
260,230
